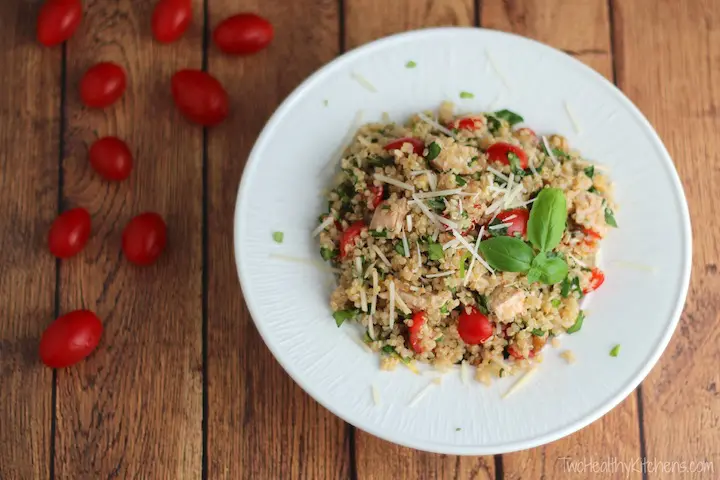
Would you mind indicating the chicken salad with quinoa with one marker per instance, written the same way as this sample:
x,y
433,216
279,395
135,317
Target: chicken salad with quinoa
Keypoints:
x,y
462,239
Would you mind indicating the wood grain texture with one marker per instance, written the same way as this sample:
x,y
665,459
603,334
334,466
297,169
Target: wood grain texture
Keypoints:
x,y
670,67
367,20
581,29
134,408
29,142
260,424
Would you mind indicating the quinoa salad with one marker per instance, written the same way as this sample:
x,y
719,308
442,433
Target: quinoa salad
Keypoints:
x,y
463,239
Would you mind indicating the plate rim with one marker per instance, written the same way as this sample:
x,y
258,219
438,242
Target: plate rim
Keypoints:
x,y
507,447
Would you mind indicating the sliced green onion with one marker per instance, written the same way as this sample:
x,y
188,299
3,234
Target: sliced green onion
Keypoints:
x,y
578,323
467,95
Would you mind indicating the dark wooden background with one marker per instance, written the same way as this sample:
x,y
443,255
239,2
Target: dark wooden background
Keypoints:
x,y
182,386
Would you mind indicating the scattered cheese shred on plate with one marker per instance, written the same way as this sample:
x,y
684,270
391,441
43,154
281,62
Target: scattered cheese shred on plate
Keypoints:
x,y
464,372
421,394
521,381
573,119
364,82
375,395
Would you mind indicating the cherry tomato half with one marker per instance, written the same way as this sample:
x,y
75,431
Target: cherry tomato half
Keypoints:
x,y
468,123
519,220
57,21
170,19
591,236
102,85
70,338
200,97
347,239
69,233
597,277
474,327
417,144
111,158
377,195
498,152
418,320
243,34
144,238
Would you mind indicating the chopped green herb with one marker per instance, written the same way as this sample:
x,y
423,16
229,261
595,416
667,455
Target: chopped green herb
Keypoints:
x,y
538,332
458,429
497,232
351,175
436,203
367,338
593,190
461,182
385,207
467,95
610,218
328,253
379,233
440,338
378,161
400,249
455,131
493,123
388,349
278,237
341,315
511,117
615,351
578,323
410,64
569,286
482,304
433,151
472,161
590,171
463,263
555,302
326,102
435,251
444,309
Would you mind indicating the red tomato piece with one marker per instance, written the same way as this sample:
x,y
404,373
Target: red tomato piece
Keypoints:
x,y
498,152
347,239
144,238
513,350
417,144
418,319
69,233
102,85
243,34
70,338
591,235
171,19
57,21
377,195
597,277
468,123
111,158
474,327
519,221
200,97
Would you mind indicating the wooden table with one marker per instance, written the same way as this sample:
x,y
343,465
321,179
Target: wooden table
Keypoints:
x,y
182,386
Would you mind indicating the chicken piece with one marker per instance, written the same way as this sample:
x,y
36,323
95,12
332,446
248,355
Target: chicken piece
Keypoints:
x,y
457,158
389,216
507,303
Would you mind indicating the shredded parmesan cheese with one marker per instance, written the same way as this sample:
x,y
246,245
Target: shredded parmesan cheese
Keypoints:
x,y
498,173
472,251
325,223
364,82
438,193
522,381
499,226
576,260
421,394
441,274
528,202
426,211
446,222
509,198
549,150
315,263
419,172
358,266
451,244
392,181
371,327
363,300
432,180
375,395
381,255
391,301
376,289
417,244
369,269
573,120
435,124
495,67
510,217
406,248
403,306
464,372
409,224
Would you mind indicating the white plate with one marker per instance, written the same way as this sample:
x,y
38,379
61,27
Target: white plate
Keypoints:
x,y
637,308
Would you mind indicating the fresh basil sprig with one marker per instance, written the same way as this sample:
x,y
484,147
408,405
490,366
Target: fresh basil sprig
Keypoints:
x,y
511,117
546,269
507,254
548,218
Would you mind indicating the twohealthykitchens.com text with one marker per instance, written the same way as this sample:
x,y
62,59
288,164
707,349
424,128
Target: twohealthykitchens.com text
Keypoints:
x,y
613,465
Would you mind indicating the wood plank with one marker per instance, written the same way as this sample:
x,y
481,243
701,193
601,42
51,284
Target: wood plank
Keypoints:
x,y
669,59
260,424
134,409
29,147
585,34
368,20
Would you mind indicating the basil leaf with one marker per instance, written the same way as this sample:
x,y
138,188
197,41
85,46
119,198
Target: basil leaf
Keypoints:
x,y
610,218
578,323
515,164
551,269
433,151
590,171
400,249
379,233
461,182
507,254
444,309
511,117
593,190
378,161
533,275
435,251
328,253
482,304
555,302
538,332
436,203
341,315
547,219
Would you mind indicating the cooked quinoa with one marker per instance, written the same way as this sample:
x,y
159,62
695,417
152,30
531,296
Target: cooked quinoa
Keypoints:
x,y
463,238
